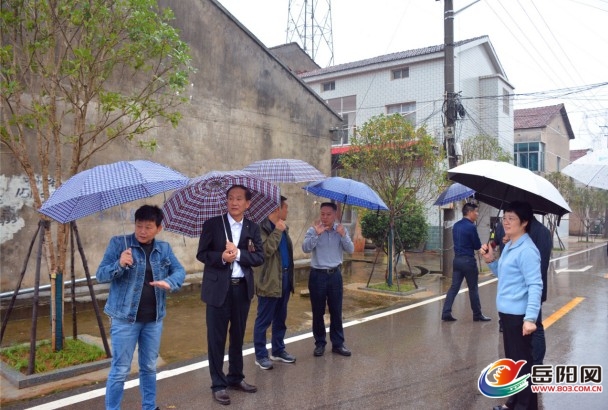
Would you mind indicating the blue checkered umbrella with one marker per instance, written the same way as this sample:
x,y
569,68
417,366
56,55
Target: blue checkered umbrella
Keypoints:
x,y
285,170
453,193
347,191
105,186
205,197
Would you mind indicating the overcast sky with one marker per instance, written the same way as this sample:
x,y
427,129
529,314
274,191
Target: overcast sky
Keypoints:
x,y
552,48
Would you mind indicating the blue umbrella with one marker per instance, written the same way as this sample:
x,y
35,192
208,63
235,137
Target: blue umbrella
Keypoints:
x,y
105,186
348,192
453,193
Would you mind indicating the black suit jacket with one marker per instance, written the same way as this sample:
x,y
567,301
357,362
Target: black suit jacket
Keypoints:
x,y
216,274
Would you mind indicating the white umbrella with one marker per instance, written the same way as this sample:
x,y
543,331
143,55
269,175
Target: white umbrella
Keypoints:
x,y
591,169
500,183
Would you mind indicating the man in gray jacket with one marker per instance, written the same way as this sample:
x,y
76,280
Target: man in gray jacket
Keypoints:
x,y
274,282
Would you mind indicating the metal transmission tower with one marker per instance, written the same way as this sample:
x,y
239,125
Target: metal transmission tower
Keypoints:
x,y
309,22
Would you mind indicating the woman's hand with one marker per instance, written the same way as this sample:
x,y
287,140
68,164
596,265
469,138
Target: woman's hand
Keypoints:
x,y
528,328
487,252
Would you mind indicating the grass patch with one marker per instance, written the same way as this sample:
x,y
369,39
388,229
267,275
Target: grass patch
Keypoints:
x,y
403,287
74,352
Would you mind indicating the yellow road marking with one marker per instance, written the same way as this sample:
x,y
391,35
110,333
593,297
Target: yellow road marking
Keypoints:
x,y
562,312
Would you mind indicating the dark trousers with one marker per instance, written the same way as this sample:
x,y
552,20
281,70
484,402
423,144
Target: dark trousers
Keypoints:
x,y
518,347
234,311
326,288
465,267
539,345
272,310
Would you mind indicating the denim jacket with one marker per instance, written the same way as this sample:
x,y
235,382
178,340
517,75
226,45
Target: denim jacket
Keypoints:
x,y
126,283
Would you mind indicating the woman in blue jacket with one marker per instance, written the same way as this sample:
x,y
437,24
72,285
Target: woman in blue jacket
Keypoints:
x,y
519,293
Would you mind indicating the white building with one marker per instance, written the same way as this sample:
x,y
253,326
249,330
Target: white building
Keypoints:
x,y
412,83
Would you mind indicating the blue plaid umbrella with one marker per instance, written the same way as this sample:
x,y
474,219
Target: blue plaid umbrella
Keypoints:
x,y
105,186
347,191
285,170
453,193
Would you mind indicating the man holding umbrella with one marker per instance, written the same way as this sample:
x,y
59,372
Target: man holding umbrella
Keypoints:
x,y
274,283
230,246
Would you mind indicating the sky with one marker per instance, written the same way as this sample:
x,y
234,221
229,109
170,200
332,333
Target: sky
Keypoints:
x,y
553,51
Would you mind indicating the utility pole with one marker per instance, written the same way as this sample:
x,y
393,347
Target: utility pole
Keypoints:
x,y
450,110
449,121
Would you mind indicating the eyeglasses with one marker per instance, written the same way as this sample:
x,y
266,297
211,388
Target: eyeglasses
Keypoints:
x,y
510,219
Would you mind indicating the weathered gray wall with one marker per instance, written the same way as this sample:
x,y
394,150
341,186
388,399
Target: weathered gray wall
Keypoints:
x,y
244,106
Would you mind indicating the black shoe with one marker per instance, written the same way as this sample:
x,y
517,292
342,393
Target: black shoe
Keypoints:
x,y
342,350
319,350
481,318
243,386
448,318
221,397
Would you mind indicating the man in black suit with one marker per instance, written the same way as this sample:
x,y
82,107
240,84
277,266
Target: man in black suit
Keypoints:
x,y
230,246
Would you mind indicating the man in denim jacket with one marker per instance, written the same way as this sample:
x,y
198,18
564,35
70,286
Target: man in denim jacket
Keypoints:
x,y
140,270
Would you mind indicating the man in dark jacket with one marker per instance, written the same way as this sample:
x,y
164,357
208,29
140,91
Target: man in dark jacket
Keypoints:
x,y
230,246
274,283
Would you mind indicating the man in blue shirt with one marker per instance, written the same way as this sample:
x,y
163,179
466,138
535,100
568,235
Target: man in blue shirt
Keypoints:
x,y
327,240
466,242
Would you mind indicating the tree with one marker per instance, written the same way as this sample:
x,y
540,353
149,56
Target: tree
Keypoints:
x,y
401,163
79,75
484,147
411,229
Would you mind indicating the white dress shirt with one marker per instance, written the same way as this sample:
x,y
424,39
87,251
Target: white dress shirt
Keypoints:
x,y
236,228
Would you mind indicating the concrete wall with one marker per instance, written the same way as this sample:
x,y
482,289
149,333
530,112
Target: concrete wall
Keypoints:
x,y
244,106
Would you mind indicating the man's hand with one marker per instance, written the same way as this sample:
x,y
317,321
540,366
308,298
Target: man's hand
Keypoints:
x,y
126,258
319,227
229,255
341,230
280,225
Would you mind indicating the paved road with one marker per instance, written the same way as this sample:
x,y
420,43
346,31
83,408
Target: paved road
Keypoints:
x,y
405,358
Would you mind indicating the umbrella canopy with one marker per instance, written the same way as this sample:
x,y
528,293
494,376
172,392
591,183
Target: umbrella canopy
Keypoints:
x,y
205,197
348,192
500,183
105,186
284,170
591,169
453,193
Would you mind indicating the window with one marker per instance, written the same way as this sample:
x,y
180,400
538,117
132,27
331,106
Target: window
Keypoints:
x,y
505,101
408,110
400,73
330,86
347,108
530,155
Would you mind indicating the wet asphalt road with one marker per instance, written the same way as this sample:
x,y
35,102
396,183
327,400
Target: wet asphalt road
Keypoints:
x,y
405,358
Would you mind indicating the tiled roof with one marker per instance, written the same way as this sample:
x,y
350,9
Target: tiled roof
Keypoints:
x,y
385,58
540,117
537,117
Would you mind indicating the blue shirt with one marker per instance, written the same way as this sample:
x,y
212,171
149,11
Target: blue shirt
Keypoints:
x,y
283,248
466,238
327,249
519,281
